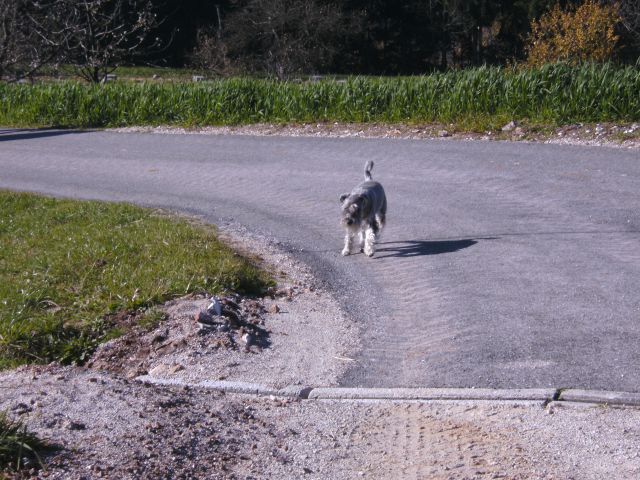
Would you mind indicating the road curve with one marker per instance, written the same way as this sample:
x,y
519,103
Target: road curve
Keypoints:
x,y
503,265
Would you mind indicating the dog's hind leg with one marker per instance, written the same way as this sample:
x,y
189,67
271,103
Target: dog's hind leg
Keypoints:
x,y
379,224
381,218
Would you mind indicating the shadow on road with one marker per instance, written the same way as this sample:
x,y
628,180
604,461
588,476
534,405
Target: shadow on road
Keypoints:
x,y
416,248
27,134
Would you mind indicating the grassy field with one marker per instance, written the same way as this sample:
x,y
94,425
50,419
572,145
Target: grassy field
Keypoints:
x,y
484,97
67,267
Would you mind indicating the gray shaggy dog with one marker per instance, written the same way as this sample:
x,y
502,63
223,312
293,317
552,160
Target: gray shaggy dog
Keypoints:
x,y
363,213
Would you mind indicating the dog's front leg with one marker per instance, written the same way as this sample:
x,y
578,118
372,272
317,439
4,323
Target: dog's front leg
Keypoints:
x,y
348,244
369,242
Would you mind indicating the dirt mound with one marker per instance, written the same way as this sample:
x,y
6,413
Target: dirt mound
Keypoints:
x,y
239,325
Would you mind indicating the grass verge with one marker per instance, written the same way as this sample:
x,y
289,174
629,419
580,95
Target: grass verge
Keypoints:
x,y
18,447
69,268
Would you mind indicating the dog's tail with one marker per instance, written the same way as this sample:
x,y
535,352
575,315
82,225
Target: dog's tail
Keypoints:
x,y
367,170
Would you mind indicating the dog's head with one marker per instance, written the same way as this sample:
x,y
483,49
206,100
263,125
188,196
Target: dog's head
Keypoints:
x,y
353,207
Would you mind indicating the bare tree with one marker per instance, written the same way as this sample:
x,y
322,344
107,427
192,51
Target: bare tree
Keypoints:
x,y
101,35
629,11
211,53
279,37
28,41
9,51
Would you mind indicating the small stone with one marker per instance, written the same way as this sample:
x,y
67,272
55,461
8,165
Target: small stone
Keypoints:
x,y
162,336
444,133
168,347
204,328
21,408
285,292
232,319
131,374
274,308
204,317
71,425
175,368
215,307
158,370
509,127
229,303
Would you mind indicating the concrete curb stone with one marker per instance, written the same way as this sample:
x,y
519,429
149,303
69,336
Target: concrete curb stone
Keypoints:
x,y
544,395
601,397
291,391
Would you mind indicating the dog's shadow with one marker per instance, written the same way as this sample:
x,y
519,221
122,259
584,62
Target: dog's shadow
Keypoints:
x,y
417,248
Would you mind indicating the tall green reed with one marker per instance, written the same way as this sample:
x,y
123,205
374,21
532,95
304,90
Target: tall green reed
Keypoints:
x,y
554,94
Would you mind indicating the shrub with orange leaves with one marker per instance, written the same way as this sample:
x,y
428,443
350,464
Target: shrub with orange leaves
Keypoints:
x,y
575,35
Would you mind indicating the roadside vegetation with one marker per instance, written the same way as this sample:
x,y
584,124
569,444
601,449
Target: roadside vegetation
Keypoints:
x,y
259,71
19,448
483,97
74,274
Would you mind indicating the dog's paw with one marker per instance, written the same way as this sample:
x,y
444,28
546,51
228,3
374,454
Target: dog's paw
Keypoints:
x,y
369,252
345,252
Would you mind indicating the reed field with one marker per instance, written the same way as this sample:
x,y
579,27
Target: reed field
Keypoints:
x,y
553,94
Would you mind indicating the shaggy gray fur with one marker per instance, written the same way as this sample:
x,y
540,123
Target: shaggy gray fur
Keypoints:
x,y
363,213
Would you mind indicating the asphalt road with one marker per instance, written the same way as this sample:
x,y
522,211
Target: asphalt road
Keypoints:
x,y
504,265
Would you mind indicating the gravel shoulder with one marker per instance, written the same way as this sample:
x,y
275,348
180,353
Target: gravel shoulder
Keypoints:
x,y
601,134
104,426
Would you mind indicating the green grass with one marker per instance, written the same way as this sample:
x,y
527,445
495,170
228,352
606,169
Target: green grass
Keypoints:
x,y
16,445
481,97
67,266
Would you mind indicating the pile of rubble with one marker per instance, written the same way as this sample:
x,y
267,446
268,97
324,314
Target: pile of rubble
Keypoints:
x,y
231,314
195,327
